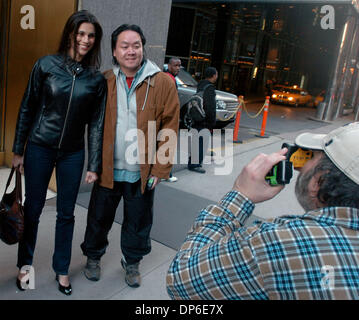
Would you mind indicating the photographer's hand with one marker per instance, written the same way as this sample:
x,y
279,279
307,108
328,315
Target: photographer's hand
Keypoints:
x,y
251,181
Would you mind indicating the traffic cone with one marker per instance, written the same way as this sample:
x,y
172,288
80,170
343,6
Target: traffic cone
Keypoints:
x,y
238,119
264,121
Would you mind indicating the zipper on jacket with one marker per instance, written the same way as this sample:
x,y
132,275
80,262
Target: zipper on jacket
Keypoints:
x,y
68,109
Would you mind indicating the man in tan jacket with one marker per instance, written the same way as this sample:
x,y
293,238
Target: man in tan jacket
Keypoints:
x,y
142,116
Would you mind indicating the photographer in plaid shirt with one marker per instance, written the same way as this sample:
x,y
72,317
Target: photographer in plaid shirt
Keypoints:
x,y
310,256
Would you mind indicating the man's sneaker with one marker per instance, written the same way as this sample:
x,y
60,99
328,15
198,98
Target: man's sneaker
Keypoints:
x,y
172,179
92,269
133,277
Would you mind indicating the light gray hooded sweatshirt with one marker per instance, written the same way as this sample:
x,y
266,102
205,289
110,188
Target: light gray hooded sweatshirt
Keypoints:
x,y
127,117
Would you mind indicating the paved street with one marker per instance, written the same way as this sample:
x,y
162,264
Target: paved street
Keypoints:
x,y
280,119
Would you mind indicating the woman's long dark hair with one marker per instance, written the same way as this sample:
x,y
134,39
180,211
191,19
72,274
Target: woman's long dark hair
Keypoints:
x,y
93,57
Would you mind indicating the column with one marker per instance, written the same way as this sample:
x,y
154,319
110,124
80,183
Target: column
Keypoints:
x,y
331,96
350,62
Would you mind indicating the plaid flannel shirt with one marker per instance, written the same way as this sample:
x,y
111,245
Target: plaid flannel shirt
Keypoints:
x,y
310,256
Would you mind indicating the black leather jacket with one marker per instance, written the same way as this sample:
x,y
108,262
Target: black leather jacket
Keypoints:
x,y
60,99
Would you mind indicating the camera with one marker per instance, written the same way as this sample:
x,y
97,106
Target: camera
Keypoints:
x,y
282,172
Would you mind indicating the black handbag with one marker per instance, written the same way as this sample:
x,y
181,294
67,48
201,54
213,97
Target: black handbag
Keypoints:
x,y
12,211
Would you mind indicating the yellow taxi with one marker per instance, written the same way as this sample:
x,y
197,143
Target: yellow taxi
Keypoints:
x,y
291,95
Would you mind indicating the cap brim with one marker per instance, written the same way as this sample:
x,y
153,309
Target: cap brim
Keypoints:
x,y
310,141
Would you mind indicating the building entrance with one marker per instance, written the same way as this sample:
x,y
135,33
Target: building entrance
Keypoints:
x,y
253,43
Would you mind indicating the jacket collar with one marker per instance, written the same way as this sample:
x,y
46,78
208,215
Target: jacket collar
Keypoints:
x,y
72,66
341,216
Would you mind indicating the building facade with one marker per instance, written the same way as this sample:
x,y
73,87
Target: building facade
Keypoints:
x,y
312,44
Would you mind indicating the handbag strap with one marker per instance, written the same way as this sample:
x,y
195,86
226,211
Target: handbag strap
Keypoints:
x,y
18,188
9,179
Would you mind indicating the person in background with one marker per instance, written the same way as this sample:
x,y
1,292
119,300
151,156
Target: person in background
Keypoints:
x,y
209,106
65,93
174,66
309,256
141,97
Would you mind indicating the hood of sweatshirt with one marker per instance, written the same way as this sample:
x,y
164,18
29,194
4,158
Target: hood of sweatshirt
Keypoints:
x,y
148,69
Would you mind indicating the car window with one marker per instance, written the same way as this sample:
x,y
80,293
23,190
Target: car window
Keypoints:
x,y
296,91
185,79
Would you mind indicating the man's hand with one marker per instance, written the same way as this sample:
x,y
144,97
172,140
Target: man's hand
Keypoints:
x,y
18,161
155,182
251,181
91,177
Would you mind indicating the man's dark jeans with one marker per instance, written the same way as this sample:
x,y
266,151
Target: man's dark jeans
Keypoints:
x,y
136,226
39,163
198,151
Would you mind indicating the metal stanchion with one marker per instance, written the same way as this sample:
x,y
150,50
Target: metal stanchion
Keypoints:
x,y
264,121
320,111
238,119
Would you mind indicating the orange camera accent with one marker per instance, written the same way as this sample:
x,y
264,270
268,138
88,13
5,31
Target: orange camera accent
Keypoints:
x,y
300,157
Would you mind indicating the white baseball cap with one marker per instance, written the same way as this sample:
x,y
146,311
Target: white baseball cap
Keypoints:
x,y
340,145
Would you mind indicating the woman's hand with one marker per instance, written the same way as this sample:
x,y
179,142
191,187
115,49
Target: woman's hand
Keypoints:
x,y
91,177
18,161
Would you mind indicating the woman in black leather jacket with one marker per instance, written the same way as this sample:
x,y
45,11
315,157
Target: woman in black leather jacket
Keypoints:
x,y
65,93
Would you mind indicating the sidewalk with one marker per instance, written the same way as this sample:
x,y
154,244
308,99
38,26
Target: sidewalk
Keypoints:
x,y
153,267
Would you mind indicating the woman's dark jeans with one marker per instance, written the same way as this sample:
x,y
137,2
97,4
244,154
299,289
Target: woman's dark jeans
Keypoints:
x,y
39,163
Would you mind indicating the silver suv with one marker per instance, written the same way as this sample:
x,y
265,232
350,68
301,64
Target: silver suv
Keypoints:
x,y
227,103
